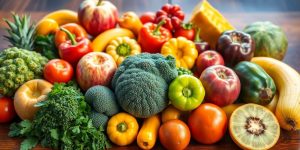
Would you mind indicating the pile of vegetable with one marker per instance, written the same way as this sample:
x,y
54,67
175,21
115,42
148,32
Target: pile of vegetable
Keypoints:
x,y
79,81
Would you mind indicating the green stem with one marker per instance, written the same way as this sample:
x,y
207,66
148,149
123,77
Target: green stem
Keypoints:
x,y
156,30
186,92
70,35
122,127
197,36
123,49
99,2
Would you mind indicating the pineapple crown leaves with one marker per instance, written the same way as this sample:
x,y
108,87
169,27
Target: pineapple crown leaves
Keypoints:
x,y
21,33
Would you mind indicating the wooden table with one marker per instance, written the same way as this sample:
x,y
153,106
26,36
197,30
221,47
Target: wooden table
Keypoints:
x,y
240,13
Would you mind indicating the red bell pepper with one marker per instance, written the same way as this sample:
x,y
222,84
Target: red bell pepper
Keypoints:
x,y
153,36
172,14
75,48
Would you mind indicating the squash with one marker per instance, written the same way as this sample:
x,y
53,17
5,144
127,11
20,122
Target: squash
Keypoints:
x,y
257,86
148,134
270,40
287,81
28,95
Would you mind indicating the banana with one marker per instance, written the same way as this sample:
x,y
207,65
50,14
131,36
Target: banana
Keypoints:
x,y
287,81
102,40
272,106
63,16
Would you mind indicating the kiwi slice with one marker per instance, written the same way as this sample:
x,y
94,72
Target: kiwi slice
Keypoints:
x,y
252,126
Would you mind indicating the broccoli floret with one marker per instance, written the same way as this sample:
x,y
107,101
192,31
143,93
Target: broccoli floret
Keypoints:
x,y
18,66
141,83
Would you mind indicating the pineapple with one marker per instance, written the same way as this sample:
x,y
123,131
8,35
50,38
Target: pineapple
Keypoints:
x,y
21,33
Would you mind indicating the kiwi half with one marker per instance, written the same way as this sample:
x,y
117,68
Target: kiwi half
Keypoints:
x,y
252,126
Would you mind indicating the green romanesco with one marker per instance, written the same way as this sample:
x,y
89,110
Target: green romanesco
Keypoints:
x,y
18,66
141,83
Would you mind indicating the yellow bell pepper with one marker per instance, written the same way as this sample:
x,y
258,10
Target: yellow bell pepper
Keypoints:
x,y
183,50
121,47
131,21
122,129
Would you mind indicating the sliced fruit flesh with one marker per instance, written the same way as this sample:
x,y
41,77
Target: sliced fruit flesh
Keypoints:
x,y
254,127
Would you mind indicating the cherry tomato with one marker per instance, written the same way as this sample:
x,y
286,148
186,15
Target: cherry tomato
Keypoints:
x,y
147,17
174,135
7,110
58,70
185,30
208,123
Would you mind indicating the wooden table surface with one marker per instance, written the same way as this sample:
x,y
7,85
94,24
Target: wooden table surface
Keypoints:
x,y
285,13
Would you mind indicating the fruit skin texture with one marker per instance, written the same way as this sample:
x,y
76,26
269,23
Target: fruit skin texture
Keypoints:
x,y
95,68
186,92
222,85
142,81
208,123
257,86
171,113
230,108
148,133
270,39
172,14
18,66
185,30
58,70
28,95
147,17
62,16
287,81
102,40
130,20
77,30
122,129
7,110
207,59
174,135
97,16
46,26
264,111
235,46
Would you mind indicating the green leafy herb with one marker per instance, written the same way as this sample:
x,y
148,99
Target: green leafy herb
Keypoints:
x,y
62,122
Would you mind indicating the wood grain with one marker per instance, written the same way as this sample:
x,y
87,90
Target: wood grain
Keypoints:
x,y
239,12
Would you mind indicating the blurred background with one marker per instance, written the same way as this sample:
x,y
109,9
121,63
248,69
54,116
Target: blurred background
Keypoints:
x,y
285,13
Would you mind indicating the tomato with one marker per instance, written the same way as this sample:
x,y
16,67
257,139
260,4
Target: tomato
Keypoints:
x,y
58,70
174,135
208,123
147,17
7,110
171,113
185,30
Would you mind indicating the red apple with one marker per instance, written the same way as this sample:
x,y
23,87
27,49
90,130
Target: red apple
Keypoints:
x,y
207,59
147,17
95,68
222,85
97,16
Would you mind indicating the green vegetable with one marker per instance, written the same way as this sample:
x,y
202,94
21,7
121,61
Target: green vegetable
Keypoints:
x,y
18,66
182,71
104,102
141,83
256,85
46,46
270,40
62,122
98,119
186,92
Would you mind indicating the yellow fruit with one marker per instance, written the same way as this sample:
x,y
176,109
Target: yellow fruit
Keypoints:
x,y
101,41
211,22
46,26
287,81
148,134
230,108
63,16
272,106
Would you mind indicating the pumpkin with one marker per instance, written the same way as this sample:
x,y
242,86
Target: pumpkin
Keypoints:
x,y
270,40
28,95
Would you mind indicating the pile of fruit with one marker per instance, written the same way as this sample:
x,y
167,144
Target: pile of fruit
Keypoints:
x,y
88,79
